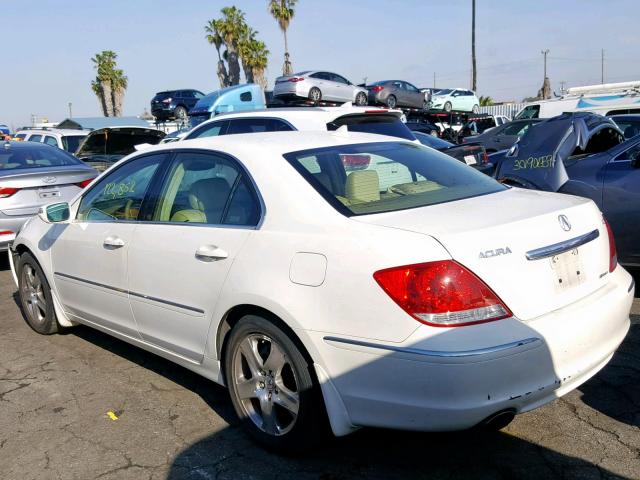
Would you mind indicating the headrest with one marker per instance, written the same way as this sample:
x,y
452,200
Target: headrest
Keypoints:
x,y
363,186
208,193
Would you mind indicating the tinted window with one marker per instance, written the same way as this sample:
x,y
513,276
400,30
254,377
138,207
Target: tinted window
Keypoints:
x,y
246,97
70,143
187,94
256,125
532,111
50,141
380,124
119,195
35,138
444,91
410,87
206,188
23,155
515,129
382,177
630,153
337,78
209,130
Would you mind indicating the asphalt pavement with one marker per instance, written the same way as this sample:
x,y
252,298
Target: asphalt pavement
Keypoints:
x,y
84,405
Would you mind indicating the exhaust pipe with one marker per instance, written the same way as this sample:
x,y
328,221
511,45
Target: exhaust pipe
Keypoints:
x,y
498,420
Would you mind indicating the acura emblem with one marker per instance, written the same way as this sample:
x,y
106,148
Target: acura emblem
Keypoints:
x,y
49,179
564,222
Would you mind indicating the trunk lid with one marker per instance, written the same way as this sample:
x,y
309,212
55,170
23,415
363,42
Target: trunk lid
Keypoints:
x,y
493,234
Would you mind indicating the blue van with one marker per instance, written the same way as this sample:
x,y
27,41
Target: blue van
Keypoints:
x,y
231,99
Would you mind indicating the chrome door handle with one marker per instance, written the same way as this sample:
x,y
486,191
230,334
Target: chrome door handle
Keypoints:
x,y
209,253
113,242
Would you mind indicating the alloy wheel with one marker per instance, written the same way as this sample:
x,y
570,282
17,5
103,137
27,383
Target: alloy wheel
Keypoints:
x,y
33,296
265,384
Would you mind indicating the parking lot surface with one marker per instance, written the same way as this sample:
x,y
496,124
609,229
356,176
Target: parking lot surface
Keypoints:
x,y
84,405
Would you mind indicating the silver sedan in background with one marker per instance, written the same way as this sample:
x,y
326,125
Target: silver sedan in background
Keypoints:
x,y
396,93
31,175
318,86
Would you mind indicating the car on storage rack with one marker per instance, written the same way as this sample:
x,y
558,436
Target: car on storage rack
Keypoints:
x,y
319,86
174,103
31,175
103,147
356,119
474,155
503,136
460,99
328,279
236,98
65,139
396,93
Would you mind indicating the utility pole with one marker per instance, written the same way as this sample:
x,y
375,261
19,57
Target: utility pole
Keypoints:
x,y
434,79
474,85
70,114
545,52
602,66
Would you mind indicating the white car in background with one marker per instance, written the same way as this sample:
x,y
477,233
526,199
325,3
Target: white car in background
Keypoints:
x,y
320,119
65,139
340,272
319,86
455,99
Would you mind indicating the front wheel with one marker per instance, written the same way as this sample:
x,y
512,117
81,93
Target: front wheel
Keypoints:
x,y
475,109
447,107
361,99
272,388
35,296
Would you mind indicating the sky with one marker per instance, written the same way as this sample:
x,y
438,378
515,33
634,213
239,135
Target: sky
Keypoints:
x,y
47,46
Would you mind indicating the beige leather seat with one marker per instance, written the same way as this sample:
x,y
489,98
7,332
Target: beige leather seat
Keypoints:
x,y
207,198
363,186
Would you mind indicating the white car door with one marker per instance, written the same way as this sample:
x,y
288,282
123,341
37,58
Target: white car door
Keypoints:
x,y
89,256
206,209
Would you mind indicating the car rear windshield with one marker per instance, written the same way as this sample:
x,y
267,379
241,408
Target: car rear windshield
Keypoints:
x,y
371,178
71,142
373,123
27,156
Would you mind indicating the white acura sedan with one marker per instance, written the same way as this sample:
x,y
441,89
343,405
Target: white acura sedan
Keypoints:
x,y
334,278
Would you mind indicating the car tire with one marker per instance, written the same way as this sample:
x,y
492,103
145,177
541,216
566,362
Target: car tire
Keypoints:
x,y
36,300
447,107
180,113
315,95
282,409
475,109
392,102
361,99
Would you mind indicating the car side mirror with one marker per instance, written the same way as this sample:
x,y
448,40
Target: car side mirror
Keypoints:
x,y
55,212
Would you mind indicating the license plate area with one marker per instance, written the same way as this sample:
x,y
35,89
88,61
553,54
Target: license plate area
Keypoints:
x,y
470,159
568,270
49,193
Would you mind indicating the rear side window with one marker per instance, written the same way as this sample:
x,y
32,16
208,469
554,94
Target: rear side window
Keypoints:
x,y
51,141
371,123
210,130
383,177
532,111
35,138
257,125
21,136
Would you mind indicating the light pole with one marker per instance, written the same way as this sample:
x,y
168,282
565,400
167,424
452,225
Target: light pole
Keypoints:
x,y
70,114
545,52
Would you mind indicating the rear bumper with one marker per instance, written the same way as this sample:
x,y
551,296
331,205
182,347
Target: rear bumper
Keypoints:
x,y
452,379
291,89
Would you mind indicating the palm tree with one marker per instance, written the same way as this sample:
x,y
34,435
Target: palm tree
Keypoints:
x,y
254,54
282,11
110,83
213,37
485,101
232,27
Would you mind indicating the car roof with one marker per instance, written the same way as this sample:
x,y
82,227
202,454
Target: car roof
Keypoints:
x,y
60,131
254,145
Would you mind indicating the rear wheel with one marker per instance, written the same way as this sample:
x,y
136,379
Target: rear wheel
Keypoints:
x,y
447,107
271,386
35,296
315,95
392,101
180,113
361,99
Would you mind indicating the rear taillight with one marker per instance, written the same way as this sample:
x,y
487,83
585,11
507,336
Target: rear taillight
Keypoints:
x,y
442,294
485,157
7,191
613,254
355,162
84,183
377,88
5,232
295,79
